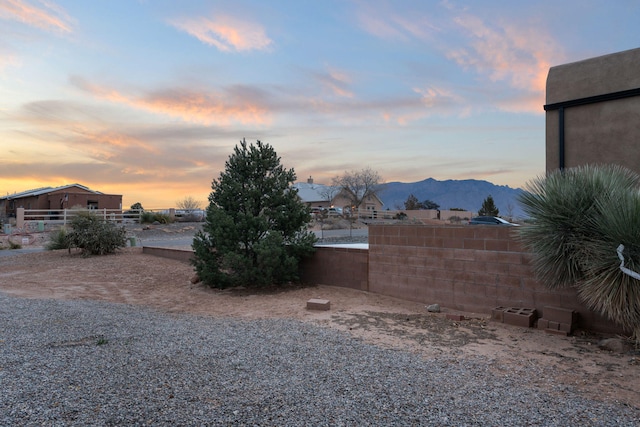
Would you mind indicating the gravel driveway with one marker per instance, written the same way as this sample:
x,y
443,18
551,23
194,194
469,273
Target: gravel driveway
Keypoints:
x,y
93,363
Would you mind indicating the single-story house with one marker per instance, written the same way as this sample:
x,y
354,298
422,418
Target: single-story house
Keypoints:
x,y
59,198
326,196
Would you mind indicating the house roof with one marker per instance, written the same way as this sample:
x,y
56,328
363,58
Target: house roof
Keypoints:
x,y
311,193
45,190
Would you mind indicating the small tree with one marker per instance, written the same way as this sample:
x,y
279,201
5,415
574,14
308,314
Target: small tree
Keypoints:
x,y
188,204
255,231
358,185
137,206
328,192
412,204
488,207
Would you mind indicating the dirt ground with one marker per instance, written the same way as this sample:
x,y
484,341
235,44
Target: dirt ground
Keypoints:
x,y
132,277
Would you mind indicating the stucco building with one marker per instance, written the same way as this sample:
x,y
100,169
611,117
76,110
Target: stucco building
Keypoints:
x,y
593,112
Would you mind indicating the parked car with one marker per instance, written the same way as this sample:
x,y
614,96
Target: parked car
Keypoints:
x,y
335,211
490,220
316,210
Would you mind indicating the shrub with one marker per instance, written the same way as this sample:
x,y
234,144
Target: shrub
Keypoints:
x,y
94,236
58,239
151,217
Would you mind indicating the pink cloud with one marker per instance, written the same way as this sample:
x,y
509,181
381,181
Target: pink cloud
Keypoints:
x,y
49,17
337,81
521,56
207,108
225,33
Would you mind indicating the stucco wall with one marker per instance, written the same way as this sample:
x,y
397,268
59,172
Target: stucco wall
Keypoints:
x,y
600,132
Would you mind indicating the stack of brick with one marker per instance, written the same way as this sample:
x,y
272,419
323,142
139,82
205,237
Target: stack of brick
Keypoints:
x,y
525,317
556,320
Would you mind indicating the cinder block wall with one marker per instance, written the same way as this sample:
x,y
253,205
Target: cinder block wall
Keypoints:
x,y
343,267
466,268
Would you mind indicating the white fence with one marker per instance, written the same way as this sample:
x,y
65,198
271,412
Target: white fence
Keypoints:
x,y
449,216
43,217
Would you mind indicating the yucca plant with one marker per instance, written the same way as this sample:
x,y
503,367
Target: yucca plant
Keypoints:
x,y
579,217
612,278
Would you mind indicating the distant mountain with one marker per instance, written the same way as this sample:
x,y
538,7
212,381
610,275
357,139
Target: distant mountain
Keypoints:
x,y
466,194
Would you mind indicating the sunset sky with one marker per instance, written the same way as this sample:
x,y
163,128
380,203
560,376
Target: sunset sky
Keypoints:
x,y
147,98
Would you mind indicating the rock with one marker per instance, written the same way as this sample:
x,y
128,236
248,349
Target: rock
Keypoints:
x,y
433,308
195,279
615,345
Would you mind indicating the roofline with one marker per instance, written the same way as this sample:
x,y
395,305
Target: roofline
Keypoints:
x,y
45,190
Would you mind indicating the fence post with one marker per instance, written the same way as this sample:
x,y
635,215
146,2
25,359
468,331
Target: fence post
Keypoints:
x,y
20,217
64,217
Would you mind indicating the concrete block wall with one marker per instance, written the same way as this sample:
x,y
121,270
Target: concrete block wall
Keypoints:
x,y
466,268
343,267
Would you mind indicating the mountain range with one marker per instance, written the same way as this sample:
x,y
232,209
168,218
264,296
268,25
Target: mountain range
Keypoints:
x,y
465,194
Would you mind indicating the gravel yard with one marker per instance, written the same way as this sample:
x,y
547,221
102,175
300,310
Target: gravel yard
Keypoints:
x,y
127,339
97,363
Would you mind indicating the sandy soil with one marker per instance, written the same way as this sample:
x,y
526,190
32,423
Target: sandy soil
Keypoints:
x,y
132,277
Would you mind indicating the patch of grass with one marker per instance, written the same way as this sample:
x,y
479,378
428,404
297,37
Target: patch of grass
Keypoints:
x,y
102,341
14,245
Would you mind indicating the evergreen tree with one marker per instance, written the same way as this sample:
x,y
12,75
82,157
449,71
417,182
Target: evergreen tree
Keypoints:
x,y
255,228
412,204
488,208
429,204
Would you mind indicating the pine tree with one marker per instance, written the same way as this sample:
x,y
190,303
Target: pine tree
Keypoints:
x,y
412,203
488,208
255,228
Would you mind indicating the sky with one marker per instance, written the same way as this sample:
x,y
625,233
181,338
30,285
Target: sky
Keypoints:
x,y
147,98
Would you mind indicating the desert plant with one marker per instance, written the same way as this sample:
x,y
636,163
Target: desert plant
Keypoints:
x,y
612,277
94,236
255,229
148,217
580,217
58,239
